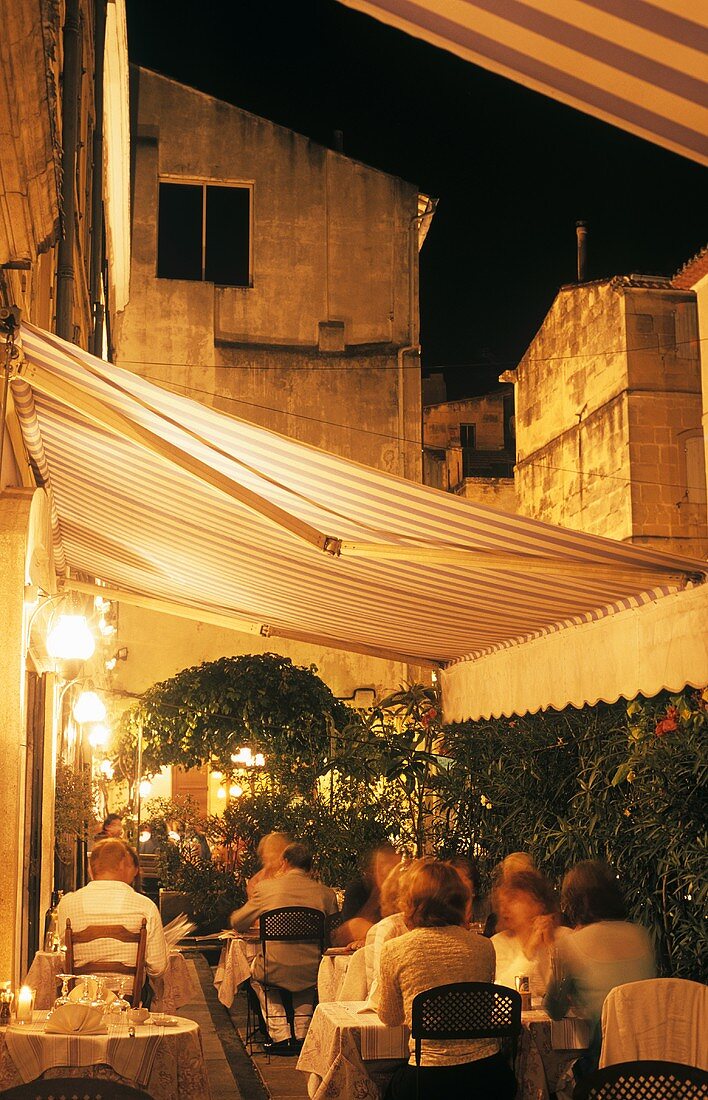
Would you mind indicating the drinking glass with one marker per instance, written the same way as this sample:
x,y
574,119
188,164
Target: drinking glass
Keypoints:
x,y
86,997
63,997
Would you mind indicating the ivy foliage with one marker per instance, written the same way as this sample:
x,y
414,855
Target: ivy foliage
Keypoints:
x,y
73,808
205,713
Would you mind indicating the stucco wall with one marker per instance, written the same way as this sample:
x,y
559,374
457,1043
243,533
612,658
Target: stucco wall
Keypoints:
x,y
333,241
442,422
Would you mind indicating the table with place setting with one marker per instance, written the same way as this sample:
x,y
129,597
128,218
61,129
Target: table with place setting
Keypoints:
x,y
162,1055
348,1051
172,989
234,966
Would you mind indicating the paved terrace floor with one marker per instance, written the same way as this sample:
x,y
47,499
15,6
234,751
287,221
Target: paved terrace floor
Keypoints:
x,y
233,1075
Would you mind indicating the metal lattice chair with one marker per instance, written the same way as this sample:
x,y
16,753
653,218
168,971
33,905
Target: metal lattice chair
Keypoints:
x,y
644,1081
287,924
466,1010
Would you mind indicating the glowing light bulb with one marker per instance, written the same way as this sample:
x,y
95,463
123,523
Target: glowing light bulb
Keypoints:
x,y
107,769
259,760
235,790
145,788
101,604
217,775
98,737
106,628
144,836
70,639
89,707
221,793
174,836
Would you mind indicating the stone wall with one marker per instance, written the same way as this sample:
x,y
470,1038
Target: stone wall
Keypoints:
x,y
608,400
316,347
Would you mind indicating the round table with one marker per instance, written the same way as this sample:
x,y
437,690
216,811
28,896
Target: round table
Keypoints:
x,y
172,989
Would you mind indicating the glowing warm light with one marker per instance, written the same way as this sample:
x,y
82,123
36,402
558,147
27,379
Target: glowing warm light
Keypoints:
x,y
259,760
217,775
107,769
106,628
89,707
111,663
174,836
221,793
70,639
244,757
98,737
145,788
101,604
235,790
144,836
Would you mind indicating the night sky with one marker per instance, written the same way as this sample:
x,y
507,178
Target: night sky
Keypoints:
x,y
513,170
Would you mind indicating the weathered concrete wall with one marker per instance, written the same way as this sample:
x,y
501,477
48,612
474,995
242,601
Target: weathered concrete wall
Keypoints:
x,y
311,349
495,492
442,422
606,397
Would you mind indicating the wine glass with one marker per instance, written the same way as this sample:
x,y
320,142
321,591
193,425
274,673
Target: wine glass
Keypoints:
x,y
63,997
118,1009
86,997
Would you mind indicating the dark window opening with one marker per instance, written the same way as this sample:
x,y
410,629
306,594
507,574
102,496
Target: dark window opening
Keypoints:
x,y
204,233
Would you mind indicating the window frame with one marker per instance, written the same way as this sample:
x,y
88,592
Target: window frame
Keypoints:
x,y
204,182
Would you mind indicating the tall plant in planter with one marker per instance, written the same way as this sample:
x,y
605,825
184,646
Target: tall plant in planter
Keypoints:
x,y
205,713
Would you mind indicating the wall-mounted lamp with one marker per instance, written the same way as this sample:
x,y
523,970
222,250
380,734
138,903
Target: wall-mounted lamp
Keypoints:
x,y
119,655
99,735
70,639
89,707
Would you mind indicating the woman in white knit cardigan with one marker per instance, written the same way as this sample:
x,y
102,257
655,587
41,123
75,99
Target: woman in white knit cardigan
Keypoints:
x,y
438,950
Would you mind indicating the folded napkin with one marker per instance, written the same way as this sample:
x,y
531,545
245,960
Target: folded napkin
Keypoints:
x,y
76,1019
77,992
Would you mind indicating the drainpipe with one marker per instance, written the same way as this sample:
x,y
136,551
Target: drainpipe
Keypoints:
x,y
411,347
96,268
69,136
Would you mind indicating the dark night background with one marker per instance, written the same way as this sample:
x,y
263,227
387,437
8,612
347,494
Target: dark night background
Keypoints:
x,y
513,170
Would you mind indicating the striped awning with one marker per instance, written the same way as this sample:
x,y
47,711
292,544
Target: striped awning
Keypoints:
x,y
639,64
162,497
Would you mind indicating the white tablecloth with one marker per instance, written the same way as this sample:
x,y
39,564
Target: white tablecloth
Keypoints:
x,y
172,989
234,967
348,1053
331,975
167,1062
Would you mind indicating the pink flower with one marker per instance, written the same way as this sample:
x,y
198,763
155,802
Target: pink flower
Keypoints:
x,y
668,724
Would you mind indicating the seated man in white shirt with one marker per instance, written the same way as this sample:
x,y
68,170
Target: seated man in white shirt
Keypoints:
x,y
110,899
290,966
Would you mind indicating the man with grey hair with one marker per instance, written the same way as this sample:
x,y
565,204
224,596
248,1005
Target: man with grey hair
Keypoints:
x,y
291,966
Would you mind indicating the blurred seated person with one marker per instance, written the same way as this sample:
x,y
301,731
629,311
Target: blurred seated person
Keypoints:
x,y
362,898
290,966
528,911
112,829
439,950
392,922
270,856
110,899
467,868
515,861
602,950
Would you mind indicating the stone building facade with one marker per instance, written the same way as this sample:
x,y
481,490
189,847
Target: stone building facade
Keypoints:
x,y
608,415
64,240
310,327
469,448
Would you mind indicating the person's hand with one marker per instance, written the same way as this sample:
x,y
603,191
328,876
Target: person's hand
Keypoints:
x,y
356,944
543,933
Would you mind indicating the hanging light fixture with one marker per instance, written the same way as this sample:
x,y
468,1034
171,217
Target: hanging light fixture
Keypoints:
x,y
89,707
144,836
221,793
145,788
98,736
107,769
70,639
235,790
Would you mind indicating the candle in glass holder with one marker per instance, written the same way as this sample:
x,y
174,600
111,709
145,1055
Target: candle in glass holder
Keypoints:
x,y
24,1002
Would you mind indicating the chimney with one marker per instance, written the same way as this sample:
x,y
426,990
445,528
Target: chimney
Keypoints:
x,y
581,233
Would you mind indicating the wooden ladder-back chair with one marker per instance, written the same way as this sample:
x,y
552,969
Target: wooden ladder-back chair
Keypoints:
x,y
106,966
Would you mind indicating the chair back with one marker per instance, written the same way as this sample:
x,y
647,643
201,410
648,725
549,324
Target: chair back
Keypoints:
x,y
293,924
465,1010
663,1019
332,922
644,1081
116,932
